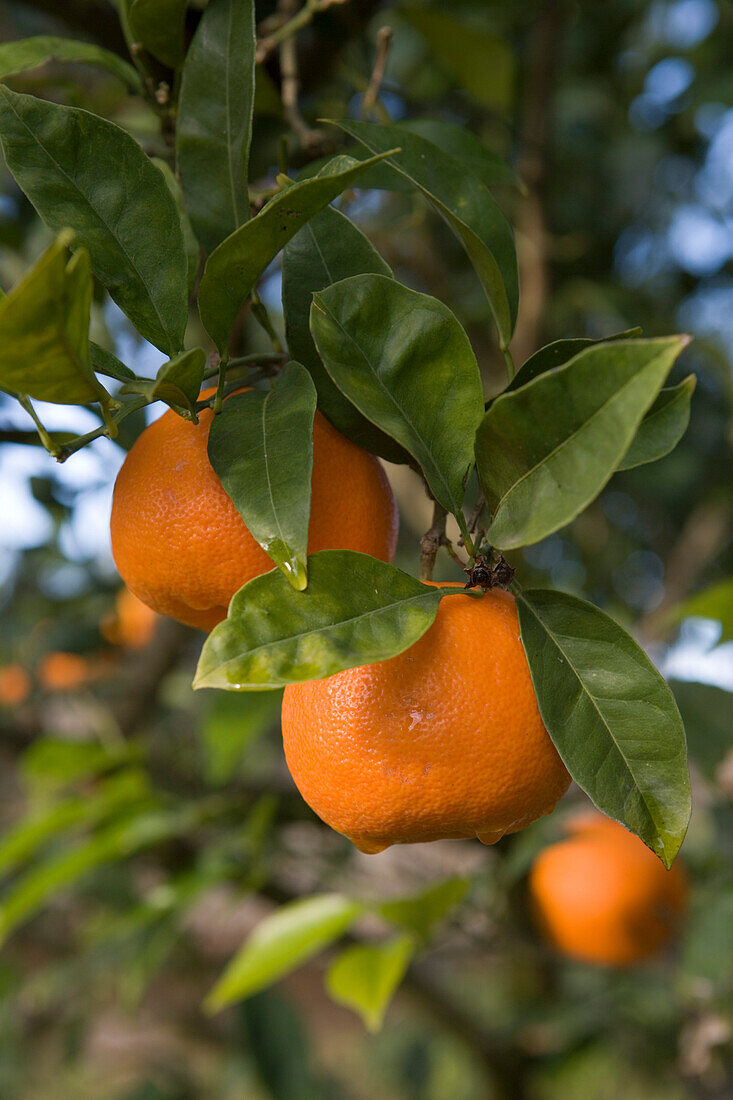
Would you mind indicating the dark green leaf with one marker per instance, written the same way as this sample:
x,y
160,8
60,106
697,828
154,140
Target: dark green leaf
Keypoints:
x,y
44,330
277,1045
190,243
611,715
159,26
282,941
545,451
713,603
233,269
663,426
405,362
466,205
104,362
420,914
215,120
559,352
178,382
365,976
232,724
355,610
81,171
466,147
328,248
261,448
28,53
479,61
706,712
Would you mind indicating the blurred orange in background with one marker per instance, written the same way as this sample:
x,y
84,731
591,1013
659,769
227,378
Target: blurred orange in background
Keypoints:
x,y
58,671
132,623
15,685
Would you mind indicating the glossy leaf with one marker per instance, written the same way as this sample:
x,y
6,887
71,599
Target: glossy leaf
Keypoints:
x,y
280,943
29,53
104,362
355,610
466,205
365,977
469,149
559,352
44,330
234,268
421,913
83,172
480,61
261,448
706,712
190,242
714,603
231,725
327,249
215,120
545,451
404,361
611,715
178,382
159,26
663,425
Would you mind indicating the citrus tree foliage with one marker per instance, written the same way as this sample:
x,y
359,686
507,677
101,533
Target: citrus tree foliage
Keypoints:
x,y
180,232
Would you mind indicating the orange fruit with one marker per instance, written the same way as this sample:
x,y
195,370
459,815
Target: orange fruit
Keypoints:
x,y
15,685
445,740
132,624
181,546
59,671
602,896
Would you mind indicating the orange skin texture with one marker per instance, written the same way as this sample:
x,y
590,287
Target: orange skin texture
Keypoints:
x,y
132,624
181,546
15,685
603,897
443,741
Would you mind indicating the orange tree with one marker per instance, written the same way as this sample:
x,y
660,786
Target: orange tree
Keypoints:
x,y
250,492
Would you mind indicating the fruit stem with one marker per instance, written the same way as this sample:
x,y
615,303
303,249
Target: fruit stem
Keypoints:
x,y
260,314
431,542
220,385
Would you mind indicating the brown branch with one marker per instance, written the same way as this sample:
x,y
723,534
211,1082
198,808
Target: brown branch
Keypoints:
x,y
384,41
290,27
432,541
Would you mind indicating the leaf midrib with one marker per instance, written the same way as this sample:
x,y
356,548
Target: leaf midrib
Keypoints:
x,y
117,240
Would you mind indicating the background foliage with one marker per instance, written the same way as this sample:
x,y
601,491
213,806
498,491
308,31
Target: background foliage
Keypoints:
x,y
148,830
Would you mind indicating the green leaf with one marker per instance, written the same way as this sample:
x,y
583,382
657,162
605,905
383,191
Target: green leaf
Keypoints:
x,y
480,62
663,425
713,603
545,451
611,715
466,205
178,382
559,352
261,448
104,362
327,249
52,762
420,914
365,977
29,53
214,127
280,943
466,147
44,330
232,724
234,268
404,361
83,172
277,1044
355,610
706,713
190,243
159,26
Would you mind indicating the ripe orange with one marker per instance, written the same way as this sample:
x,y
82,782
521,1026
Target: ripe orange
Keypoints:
x,y
15,685
444,740
604,897
180,544
132,624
